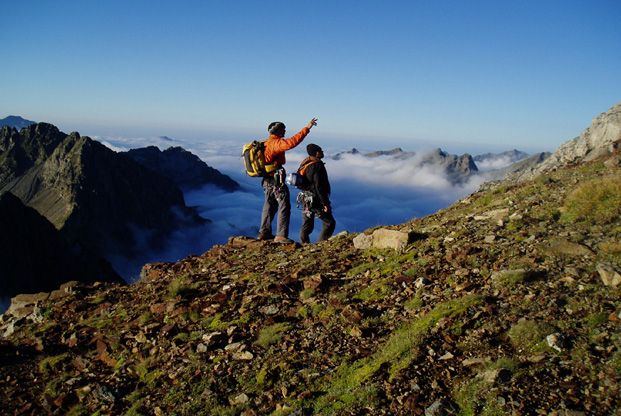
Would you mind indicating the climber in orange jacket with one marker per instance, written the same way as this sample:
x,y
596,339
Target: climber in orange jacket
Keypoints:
x,y
275,190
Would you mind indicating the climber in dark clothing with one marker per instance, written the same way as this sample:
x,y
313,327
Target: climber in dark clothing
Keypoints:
x,y
315,174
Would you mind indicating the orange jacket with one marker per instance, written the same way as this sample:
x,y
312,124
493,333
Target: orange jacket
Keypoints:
x,y
276,146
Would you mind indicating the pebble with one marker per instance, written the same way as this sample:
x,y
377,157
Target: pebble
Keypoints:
x,y
234,346
435,409
553,341
610,277
240,399
243,356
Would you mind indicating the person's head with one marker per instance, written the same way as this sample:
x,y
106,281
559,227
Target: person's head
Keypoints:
x,y
314,150
277,128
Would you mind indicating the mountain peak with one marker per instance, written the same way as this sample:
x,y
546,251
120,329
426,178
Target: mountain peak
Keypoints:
x,y
16,122
602,138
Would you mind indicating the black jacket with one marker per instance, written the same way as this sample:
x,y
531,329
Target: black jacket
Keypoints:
x,y
317,176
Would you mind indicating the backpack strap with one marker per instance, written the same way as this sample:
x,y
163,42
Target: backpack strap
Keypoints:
x,y
268,168
304,167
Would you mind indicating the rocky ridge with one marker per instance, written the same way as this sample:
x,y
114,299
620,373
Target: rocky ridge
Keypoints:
x,y
603,137
94,196
510,155
506,302
183,167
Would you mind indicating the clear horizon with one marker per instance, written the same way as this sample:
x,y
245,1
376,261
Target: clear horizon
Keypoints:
x,y
458,76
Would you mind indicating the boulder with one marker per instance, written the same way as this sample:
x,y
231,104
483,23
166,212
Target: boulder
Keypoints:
x,y
397,240
363,241
568,248
24,305
384,238
494,215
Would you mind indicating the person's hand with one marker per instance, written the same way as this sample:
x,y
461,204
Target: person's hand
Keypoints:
x,y
326,209
312,123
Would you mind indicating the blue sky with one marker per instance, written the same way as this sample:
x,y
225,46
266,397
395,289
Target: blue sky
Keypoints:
x,y
450,74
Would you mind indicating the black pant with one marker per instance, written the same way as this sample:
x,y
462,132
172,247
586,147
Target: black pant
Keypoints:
x,y
308,224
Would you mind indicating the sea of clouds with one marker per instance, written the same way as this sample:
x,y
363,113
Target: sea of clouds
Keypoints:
x,y
366,192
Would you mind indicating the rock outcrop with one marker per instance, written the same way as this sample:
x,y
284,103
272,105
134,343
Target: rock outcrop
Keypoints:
x,y
182,167
457,168
603,137
35,257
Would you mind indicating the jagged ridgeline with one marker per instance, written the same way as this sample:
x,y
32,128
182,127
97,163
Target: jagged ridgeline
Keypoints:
x,y
457,169
96,198
507,302
89,192
184,168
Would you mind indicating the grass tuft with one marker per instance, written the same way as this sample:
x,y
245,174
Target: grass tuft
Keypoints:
x,y
272,334
597,201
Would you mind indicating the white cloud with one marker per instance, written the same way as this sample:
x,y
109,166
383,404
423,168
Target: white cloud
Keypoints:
x,y
494,163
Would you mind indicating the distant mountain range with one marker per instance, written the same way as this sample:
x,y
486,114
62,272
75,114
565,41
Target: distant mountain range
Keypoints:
x,y
98,200
16,121
459,168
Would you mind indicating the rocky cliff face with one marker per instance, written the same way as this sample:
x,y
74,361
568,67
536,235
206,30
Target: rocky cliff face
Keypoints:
x,y
93,195
34,256
183,167
457,168
601,138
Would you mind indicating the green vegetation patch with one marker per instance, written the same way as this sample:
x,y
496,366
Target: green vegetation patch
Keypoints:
x,y
475,397
179,286
414,303
347,388
529,336
509,278
385,263
272,334
597,201
217,323
52,363
378,290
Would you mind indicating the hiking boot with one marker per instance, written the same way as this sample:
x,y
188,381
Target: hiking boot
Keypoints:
x,y
283,240
265,237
